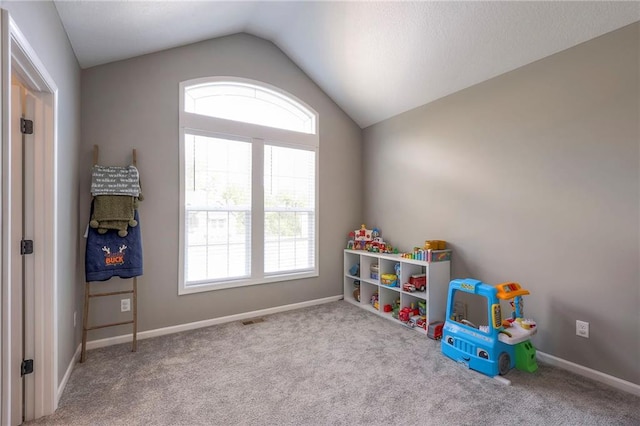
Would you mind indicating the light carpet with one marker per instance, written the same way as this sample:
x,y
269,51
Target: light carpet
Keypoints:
x,y
332,364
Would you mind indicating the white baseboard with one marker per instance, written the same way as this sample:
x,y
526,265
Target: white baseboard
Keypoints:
x,y
126,338
67,374
590,373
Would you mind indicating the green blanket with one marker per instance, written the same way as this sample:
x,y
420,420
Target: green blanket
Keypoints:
x,y
114,212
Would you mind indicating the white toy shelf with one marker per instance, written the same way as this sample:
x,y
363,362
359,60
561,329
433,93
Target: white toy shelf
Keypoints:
x,y
435,294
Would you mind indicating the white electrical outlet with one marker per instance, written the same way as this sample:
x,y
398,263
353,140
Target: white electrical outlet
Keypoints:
x,y
582,329
125,305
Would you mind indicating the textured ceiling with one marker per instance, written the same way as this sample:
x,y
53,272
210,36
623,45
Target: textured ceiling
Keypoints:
x,y
374,59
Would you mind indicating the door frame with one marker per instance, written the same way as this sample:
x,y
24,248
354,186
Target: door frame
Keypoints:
x,y
17,56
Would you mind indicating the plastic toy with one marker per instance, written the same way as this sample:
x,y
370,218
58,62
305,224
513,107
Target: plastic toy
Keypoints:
x,y
390,280
432,251
419,281
368,239
351,242
378,245
417,254
374,271
422,307
407,312
435,245
359,238
356,294
355,270
434,331
497,347
395,313
387,308
404,314
374,301
417,321
408,287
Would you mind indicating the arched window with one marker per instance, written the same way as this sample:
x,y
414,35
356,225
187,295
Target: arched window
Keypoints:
x,y
249,103
248,189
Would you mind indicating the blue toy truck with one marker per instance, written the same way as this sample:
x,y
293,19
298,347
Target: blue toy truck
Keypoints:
x,y
493,347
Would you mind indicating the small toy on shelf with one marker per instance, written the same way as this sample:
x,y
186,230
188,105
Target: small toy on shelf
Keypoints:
x,y
387,308
407,312
351,242
404,314
417,254
356,294
417,321
413,320
375,271
435,245
355,270
390,280
360,238
422,322
396,309
422,307
432,251
374,300
419,281
408,287
368,239
379,246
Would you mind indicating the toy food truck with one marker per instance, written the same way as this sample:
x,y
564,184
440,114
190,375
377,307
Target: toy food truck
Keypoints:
x,y
478,336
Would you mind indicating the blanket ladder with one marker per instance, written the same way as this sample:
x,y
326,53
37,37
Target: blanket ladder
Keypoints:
x,y
88,296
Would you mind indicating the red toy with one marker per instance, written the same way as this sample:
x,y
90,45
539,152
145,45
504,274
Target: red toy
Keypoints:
x,y
406,313
434,330
409,287
419,281
417,321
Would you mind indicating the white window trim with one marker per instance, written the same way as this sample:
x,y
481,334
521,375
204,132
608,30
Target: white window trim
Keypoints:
x,y
218,127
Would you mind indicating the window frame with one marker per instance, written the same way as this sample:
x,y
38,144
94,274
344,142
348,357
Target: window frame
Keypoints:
x,y
196,124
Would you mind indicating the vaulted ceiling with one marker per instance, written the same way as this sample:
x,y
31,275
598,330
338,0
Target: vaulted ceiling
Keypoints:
x,y
374,59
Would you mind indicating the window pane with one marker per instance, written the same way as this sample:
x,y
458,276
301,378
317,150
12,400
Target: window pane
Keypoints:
x,y
221,187
289,199
249,104
218,208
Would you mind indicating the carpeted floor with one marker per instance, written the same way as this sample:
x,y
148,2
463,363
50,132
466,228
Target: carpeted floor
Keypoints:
x,y
332,364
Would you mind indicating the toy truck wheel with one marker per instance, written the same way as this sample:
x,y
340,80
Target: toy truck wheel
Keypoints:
x,y
504,363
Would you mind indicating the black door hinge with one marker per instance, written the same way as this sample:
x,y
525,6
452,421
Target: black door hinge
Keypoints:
x,y
26,367
26,126
26,247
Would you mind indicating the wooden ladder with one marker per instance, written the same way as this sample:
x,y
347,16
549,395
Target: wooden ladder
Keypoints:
x,y
88,296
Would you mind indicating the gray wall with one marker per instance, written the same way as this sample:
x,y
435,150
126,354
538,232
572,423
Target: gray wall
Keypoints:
x,y
532,177
134,104
40,24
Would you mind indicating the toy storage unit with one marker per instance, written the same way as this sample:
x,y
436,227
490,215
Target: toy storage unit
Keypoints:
x,y
434,297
